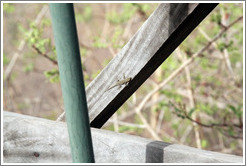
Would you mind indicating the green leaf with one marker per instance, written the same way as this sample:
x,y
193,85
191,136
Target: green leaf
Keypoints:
x,y
97,43
52,75
221,46
181,116
231,131
118,32
5,60
118,18
191,112
87,14
29,67
237,111
113,17
45,22
21,28
216,17
23,106
204,143
145,7
8,8
83,51
55,79
79,17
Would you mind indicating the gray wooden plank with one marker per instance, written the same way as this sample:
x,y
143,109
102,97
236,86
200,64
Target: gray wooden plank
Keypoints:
x,y
29,139
158,37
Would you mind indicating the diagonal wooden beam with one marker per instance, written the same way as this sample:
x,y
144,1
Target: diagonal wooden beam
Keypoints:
x,y
158,37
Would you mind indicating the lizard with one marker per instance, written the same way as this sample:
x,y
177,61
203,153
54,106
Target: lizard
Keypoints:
x,y
119,83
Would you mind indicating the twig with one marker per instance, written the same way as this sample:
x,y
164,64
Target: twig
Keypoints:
x,y
225,21
221,141
214,124
61,117
115,122
126,115
153,113
225,55
148,127
232,136
211,125
191,99
184,115
207,37
203,99
106,24
147,105
185,134
44,55
160,119
142,118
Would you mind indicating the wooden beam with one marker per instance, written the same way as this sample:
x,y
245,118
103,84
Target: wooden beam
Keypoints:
x,y
28,139
158,37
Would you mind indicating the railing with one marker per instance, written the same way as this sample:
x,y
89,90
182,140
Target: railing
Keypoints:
x,y
30,139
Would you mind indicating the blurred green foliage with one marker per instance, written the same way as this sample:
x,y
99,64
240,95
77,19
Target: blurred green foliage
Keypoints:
x,y
52,115
98,43
117,18
204,143
34,36
28,67
8,8
22,106
85,15
116,38
6,60
236,110
52,75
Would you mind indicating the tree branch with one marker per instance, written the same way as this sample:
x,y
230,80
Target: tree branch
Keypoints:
x,y
43,54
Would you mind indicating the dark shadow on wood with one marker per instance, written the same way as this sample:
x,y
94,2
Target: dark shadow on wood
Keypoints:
x,y
176,17
155,152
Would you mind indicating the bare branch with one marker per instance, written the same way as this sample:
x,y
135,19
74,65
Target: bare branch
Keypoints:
x,y
44,55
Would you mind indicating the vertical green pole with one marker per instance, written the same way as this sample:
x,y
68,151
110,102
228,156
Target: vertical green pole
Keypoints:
x,y
73,90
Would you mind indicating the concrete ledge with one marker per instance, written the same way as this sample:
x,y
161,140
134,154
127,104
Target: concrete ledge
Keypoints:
x,y
29,139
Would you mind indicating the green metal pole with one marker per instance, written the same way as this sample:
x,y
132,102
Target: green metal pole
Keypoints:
x,y
73,90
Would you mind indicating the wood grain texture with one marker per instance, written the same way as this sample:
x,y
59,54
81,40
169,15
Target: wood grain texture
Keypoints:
x,y
28,139
158,37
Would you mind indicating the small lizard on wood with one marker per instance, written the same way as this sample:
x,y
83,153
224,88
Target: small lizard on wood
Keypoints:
x,y
119,83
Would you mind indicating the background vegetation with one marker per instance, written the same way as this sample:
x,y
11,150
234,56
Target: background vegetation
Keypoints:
x,y
199,105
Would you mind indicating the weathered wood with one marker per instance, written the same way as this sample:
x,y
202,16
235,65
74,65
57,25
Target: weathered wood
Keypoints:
x,y
29,139
158,37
